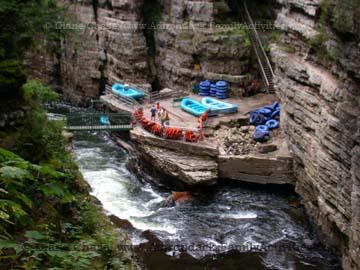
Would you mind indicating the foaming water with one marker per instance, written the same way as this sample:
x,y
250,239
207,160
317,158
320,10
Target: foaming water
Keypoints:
x,y
228,220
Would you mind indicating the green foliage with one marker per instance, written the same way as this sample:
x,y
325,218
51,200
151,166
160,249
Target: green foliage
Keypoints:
x,y
318,44
220,5
345,16
341,15
337,16
20,181
41,139
12,77
22,22
238,30
24,25
35,93
274,36
41,203
152,12
6,155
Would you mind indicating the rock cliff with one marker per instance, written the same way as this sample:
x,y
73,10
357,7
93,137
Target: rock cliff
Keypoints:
x,y
111,41
191,37
110,46
317,67
319,90
106,43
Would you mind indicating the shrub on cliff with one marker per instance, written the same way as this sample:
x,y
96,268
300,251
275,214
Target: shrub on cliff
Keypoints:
x,y
341,15
12,77
22,24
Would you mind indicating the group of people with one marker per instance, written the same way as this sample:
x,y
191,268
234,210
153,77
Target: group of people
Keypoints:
x,y
161,113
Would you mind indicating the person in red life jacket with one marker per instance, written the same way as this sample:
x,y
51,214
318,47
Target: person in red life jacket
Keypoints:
x,y
176,198
202,119
190,136
137,115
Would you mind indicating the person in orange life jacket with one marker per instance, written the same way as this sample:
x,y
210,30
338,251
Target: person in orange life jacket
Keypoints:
x,y
176,198
153,113
202,119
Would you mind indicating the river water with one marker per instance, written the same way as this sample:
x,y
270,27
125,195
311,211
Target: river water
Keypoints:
x,y
221,230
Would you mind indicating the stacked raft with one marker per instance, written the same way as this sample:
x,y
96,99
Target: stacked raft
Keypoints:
x,y
265,119
204,89
222,90
218,89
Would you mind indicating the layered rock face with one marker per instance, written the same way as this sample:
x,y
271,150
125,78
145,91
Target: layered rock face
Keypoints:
x,y
189,163
320,116
106,43
108,46
190,47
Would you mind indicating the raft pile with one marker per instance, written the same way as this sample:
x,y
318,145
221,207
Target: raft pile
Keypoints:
x,y
265,119
219,89
222,90
171,133
204,89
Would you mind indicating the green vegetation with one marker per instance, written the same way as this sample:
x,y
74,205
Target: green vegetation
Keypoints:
x,y
318,44
238,30
223,13
24,24
339,17
47,218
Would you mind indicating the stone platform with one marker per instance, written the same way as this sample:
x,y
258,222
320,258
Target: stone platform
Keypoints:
x,y
205,162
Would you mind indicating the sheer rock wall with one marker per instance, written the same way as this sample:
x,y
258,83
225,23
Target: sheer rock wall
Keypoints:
x,y
320,116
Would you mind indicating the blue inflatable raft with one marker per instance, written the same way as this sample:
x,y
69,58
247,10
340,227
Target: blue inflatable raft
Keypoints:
x,y
121,90
219,106
193,107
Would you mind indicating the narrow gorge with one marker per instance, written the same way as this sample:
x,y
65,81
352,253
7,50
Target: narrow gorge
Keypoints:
x,y
170,45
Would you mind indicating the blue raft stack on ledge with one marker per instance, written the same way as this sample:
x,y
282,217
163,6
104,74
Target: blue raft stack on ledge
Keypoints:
x,y
222,89
265,119
213,90
204,88
219,89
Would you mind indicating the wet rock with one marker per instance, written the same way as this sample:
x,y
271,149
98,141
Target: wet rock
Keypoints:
x,y
309,242
121,223
244,129
192,164
266,148
67,135
255,169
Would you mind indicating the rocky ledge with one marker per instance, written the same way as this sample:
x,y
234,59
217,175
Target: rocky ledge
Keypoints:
x,y
195,164
189,163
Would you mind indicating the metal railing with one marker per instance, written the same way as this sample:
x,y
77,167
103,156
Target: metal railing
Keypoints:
x,y
129,102
91,121
149,97
266,70
55,117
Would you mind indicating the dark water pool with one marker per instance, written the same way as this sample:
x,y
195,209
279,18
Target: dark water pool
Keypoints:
x,y
230,227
